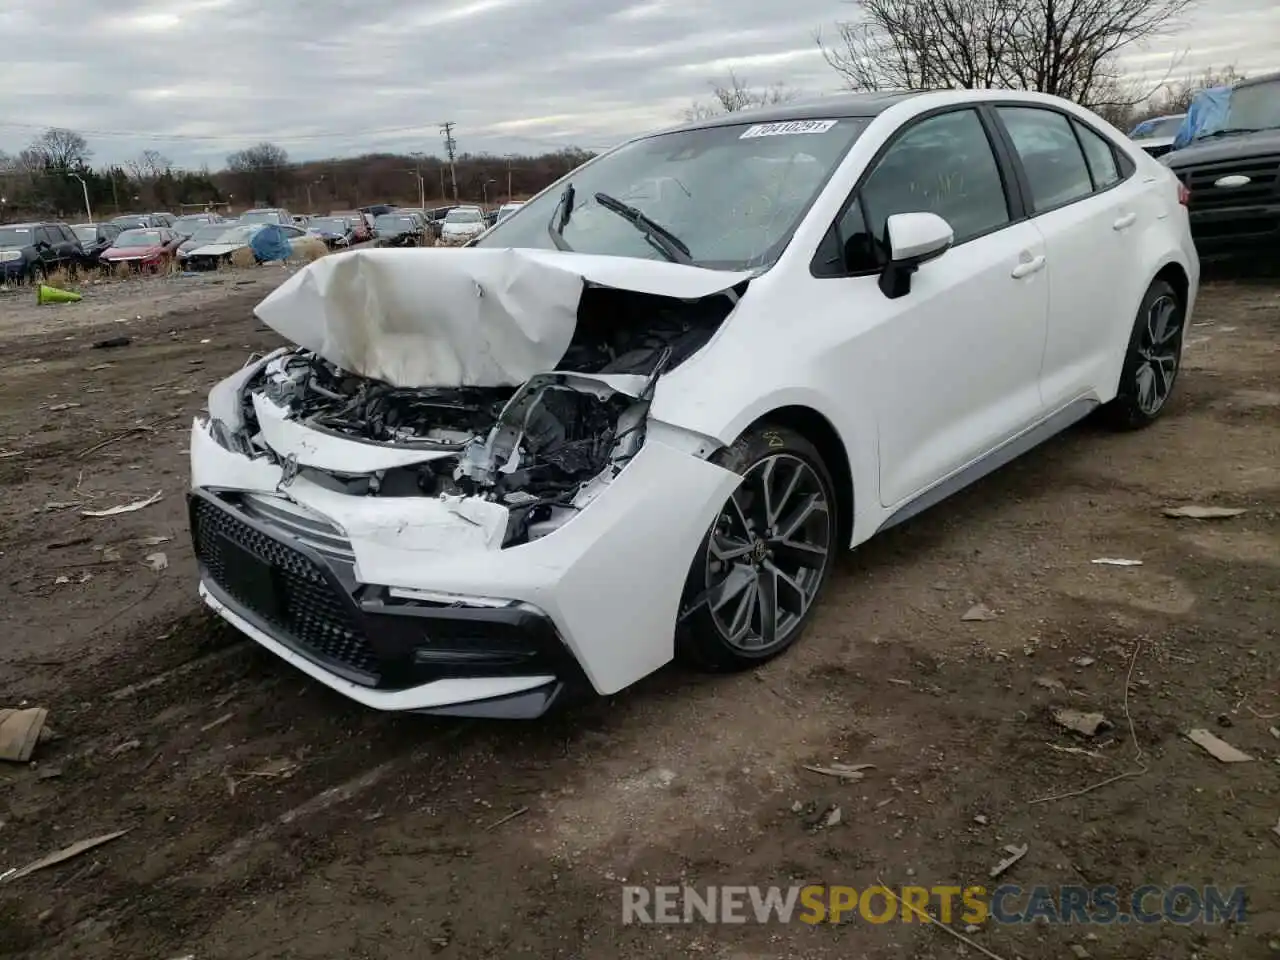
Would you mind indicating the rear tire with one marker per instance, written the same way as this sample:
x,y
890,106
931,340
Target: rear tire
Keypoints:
x,y
1152,360
759,571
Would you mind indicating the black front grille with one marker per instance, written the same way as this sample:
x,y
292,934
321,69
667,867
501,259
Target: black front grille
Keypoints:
x,y
283,587
1263,185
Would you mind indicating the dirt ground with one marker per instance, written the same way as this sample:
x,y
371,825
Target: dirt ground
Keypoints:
x,y
268,817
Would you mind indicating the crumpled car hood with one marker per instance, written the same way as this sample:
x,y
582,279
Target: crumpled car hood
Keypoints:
x,y
433,317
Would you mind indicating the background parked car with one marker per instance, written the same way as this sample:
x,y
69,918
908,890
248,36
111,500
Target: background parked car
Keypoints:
x,y
400,230
149,250
223,248
29,251
1228,159
203,236
361,223
334,231
94,239
507,209
162,219
187,225
267,215
462,224
1157,134
135,221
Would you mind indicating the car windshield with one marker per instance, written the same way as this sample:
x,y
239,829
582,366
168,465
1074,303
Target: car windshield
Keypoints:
x,y
15,236
260,216
1159,127
85,231
391,222
733,195
193,222
330,224
138,238
130,222
464,216
1254,106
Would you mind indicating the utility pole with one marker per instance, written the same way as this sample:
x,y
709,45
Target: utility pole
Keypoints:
x,y
85,187
451,149
509,197
422,190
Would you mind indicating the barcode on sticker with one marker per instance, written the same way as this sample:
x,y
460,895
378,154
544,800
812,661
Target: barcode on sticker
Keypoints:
x,y
787,128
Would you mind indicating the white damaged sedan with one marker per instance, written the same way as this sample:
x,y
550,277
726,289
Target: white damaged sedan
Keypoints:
x,y
638,418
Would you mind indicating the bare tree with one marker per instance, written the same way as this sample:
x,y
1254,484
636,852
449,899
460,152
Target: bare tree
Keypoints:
x,y
149,165
262,171
734,94
59,149
1064,47
1176,97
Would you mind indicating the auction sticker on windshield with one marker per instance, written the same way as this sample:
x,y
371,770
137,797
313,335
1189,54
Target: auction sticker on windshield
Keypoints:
x,y
787,128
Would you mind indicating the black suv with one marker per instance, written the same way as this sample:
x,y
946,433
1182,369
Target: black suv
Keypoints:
x,y
29,251
1233,175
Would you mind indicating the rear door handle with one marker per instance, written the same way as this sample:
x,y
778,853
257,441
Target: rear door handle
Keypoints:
x,y
1125,222
1028,267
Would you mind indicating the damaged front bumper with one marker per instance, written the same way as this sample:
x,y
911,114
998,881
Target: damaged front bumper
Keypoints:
x,y
412,603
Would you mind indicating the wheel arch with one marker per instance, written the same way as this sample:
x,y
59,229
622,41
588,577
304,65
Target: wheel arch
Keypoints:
x,y
1174,274
819,431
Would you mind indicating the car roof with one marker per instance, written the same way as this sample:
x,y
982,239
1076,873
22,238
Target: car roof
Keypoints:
x,y
820,108
1253,81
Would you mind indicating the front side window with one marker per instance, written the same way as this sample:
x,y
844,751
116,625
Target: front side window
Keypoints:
x,y
943,165
732,196
1050,154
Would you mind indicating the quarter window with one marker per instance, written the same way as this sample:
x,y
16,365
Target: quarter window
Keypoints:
x,y
1101,157
1051,156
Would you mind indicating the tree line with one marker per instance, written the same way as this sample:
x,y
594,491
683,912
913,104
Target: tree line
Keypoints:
x,y
55,174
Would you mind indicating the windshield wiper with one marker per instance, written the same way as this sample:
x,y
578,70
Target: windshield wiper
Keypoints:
x,y
658,236
560,217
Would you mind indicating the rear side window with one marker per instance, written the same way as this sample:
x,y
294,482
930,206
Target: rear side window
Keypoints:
x,y
1101,157
1051,156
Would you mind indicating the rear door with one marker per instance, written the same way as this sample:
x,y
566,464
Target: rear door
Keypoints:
x,y
1089,205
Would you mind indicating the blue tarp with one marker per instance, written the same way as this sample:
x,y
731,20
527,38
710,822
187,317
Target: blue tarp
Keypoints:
x,y
270,243
1207,113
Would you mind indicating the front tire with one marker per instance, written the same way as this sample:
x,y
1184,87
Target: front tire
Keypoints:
x,y
1151,361
755,578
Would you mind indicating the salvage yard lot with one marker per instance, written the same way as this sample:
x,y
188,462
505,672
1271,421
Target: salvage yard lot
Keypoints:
x,y
269,817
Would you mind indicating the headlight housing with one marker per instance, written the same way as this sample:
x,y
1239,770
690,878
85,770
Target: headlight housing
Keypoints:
x,y
8,256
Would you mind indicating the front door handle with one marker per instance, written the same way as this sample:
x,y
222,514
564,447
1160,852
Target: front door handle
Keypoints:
x,y
1125,222
1028,267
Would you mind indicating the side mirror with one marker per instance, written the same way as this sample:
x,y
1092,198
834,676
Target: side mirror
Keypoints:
x,y
912,239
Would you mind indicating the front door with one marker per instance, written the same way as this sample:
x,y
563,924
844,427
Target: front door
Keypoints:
x,y
952,368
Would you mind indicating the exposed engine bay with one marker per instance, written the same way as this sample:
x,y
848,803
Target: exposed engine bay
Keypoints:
x,y
541,449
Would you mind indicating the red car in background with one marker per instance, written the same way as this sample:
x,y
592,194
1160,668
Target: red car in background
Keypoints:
x,y
148,249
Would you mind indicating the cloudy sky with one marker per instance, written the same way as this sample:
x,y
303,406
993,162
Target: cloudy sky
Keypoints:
x,y
197,79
